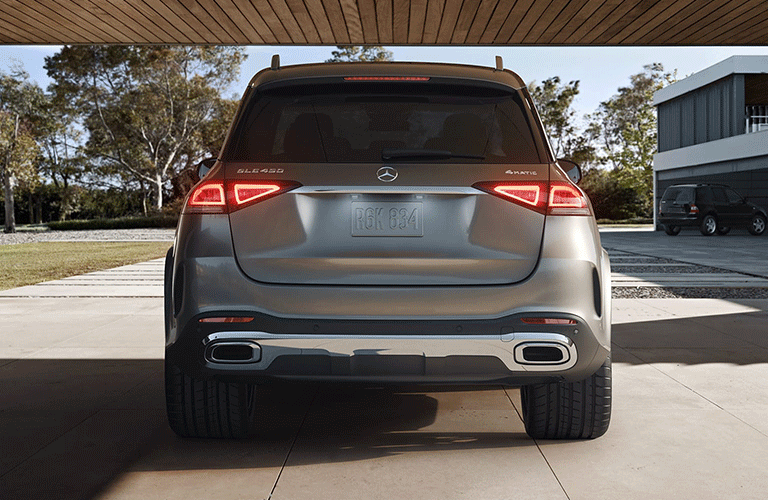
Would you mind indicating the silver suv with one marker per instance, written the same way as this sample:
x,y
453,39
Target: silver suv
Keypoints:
x,y
400,223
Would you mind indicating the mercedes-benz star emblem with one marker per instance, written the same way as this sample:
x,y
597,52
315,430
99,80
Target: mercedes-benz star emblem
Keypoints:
x,y
386,174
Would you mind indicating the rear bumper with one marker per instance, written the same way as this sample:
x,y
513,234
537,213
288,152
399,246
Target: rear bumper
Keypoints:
x,y
503,350
683,221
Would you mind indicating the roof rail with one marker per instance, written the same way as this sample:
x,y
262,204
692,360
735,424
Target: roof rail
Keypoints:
x,y
276,62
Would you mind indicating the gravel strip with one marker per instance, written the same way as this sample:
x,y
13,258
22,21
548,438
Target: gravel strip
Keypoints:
x,y
688,293
93,235
634,270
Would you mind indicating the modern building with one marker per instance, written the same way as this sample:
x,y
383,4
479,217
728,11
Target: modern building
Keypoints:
x,y
713,128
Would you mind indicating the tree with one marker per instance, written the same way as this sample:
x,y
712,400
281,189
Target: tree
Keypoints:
x,y
360,53
145,107
554,103
627,124
19,103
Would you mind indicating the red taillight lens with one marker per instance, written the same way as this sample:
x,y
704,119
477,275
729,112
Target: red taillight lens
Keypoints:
x,y
548,321
556,198
694,209
220,197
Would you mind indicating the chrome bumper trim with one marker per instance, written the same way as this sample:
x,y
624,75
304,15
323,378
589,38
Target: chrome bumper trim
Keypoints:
x,y
502,347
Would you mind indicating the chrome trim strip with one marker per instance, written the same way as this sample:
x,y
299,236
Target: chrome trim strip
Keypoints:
x,y
503,347
387,189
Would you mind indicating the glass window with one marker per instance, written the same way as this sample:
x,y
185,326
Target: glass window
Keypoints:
x,y
359,122
733,197
719,194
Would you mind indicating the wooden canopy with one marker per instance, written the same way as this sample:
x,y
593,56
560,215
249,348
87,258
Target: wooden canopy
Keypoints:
x,y
386,22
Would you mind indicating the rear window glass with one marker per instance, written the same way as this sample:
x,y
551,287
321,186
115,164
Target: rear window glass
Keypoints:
x,y
358,122
679,196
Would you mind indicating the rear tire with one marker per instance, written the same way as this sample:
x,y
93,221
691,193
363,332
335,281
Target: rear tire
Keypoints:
x,y
723,230
672,230
562,410
757,225
708,225
207,408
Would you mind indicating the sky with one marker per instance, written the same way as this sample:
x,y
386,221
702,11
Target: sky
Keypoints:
x,y
600,70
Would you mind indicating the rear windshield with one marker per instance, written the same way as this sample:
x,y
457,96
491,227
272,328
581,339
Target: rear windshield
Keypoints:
x,y
365,122
679,196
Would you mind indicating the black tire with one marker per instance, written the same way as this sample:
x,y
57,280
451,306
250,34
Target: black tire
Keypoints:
x,y
672,230
562,410
723,230
708,225
757,225
207,408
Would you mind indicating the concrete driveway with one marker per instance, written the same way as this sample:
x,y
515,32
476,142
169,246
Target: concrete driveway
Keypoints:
x,y
82,414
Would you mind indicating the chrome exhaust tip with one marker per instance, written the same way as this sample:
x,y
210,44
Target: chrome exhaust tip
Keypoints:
x,y
233,352
542,353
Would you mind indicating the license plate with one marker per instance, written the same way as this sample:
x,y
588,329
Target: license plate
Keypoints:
x,y
387,218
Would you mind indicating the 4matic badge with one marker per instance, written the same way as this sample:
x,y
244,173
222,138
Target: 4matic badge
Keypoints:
x,y
521,172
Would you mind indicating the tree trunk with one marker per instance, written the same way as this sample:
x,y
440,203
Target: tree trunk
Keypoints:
x,y
10,217
159,192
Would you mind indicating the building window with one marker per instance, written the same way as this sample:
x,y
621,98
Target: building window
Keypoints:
x,y
757,118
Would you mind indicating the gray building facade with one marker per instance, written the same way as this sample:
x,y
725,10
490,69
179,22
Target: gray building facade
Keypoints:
x,y
713,128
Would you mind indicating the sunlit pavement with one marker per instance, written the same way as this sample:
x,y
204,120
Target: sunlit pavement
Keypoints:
x,y
82,414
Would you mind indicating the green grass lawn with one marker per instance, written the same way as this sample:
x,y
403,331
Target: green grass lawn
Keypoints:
x,y
31,263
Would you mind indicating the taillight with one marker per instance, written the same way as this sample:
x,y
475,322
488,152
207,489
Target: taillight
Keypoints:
x,y
221,197
555,198
694,209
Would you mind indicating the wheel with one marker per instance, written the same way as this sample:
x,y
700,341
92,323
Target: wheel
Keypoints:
x,y
757,225
708,225
563,410
672,230
723,230
207,408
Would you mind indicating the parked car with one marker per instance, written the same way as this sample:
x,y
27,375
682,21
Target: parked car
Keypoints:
x,y
713,208
388,223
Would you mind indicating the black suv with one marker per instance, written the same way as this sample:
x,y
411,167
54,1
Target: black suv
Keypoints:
x,y
713,208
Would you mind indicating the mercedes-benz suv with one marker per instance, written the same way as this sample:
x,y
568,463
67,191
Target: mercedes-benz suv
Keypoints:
x,y
387,223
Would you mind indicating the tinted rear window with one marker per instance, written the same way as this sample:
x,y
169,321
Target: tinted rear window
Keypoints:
x,y
679,195
354,122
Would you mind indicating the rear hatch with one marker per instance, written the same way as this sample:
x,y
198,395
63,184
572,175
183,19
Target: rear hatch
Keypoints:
x,y
384,177
677,201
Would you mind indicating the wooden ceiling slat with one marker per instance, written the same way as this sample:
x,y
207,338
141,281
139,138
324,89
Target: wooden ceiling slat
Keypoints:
x,y
701,17
323,26
577,21
545,19
271,19
400,13
336,18
681,20
737,29
384,21
497,20
730,19
464,22
196,26
530,18
512,21
368,18
288,20
258,23
16,23
134,31
482,18
87,16
352,17
43,14
640,31
416,21
21,34
621,28
205,17
594,35
597,17
559,22
236,16
758,38
162,16
448,22
432,21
